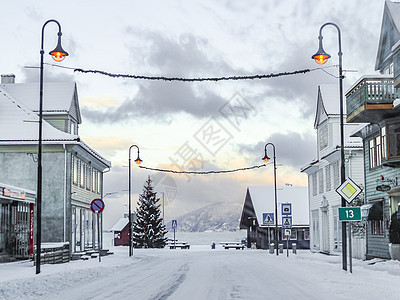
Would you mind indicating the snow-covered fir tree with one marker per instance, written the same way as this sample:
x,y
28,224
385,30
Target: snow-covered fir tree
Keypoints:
x,y
148,229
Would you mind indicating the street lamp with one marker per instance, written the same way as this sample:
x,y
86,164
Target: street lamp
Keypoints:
x,y
58,55
322,57
137,161
266,159
162,207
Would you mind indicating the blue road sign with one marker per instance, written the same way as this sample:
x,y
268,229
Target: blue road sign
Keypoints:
x,y
174,224
286,209
97,205
268,218
287,222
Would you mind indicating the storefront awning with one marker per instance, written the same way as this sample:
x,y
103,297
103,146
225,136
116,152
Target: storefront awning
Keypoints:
x,y
376,211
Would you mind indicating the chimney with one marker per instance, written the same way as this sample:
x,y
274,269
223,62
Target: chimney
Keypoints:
x,y
7,78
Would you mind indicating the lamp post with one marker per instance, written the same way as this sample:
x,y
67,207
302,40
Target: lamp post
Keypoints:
x,y
322,57
58,55
162,207
137,161
266,159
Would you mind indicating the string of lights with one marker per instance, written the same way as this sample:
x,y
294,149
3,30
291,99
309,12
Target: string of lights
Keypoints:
x,y
203,172
193,79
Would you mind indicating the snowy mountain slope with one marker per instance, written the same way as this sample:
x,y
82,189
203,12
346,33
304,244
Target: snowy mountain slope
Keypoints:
x,y
214,217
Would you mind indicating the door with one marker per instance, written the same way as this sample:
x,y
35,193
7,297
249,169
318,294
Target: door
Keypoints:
x,y
325,232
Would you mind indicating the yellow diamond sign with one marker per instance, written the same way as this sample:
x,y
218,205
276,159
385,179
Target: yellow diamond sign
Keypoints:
x,y
348,190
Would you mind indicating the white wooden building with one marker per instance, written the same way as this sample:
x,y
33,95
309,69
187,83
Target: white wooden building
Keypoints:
x,y
324,174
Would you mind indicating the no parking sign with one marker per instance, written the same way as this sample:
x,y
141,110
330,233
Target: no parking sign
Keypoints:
x,y
97,205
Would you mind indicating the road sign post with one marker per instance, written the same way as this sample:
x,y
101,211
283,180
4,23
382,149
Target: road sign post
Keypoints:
x,y
350,214
288,232
174,226
97,206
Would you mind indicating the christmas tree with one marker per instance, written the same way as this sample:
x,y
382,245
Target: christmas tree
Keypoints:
x,y
148,229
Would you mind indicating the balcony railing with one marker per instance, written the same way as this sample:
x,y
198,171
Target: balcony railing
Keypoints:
x,y
370,93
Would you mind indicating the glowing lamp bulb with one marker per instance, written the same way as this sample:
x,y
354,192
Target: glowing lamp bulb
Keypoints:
x,y
138,161
266,158
58,56
321,58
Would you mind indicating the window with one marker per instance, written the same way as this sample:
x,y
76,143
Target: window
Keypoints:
x,y
336,174
383,143
94,179
371,154
377,227
328,177
98,182
323,136
378,151
321,181
394,139
314,184
88,177
375,152
72,127
82,174
75,170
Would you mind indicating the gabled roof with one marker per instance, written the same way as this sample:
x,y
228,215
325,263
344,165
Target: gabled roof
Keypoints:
x,y
262,200
390,32
328,103
19,124
58,97
120,224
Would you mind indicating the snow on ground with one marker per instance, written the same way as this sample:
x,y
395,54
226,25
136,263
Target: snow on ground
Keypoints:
x,y
202,273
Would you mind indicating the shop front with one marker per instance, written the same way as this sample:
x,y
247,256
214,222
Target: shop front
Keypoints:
x,y
16,222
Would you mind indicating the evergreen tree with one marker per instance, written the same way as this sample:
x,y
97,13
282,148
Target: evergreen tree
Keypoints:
x,y
148,229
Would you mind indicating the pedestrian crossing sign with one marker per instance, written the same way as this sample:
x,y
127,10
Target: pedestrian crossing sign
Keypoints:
x,y
268,218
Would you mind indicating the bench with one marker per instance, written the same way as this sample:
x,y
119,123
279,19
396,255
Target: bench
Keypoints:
x,y
235,245
182,245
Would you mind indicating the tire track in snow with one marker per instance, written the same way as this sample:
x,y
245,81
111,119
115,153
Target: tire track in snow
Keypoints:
x,y
179,278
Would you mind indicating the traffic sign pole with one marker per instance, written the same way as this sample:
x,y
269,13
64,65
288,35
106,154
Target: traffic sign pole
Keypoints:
x,y
350,250
97,206
98,234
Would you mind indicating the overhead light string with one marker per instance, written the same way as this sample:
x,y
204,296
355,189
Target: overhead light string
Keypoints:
x,y
203,172
190,79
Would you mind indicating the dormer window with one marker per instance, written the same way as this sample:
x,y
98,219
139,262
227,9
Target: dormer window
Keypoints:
x,y
323,136
72,129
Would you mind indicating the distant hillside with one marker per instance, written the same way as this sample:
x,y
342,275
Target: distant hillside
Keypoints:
x,y
213,217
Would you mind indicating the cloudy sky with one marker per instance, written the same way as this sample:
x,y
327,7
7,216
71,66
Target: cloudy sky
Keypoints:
x,y
194,126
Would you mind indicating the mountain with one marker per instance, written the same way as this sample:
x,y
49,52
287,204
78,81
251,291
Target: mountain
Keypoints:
x,y
214,217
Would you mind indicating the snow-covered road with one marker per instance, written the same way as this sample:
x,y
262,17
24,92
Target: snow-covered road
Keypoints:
x,y
202,273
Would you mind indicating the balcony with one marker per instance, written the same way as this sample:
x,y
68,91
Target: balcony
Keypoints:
x,y
370,99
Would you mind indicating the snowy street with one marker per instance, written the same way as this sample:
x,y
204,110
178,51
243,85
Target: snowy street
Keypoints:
x,y
202,273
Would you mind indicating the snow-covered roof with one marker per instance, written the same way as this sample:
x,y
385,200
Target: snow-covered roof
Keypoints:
x,y
263,200
120,224
15,188
19,124
57,96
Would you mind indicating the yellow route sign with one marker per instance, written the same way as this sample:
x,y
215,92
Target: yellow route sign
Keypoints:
x,y
348,190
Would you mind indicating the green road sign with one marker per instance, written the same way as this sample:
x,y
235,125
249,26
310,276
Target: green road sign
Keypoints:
x,y
349,214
